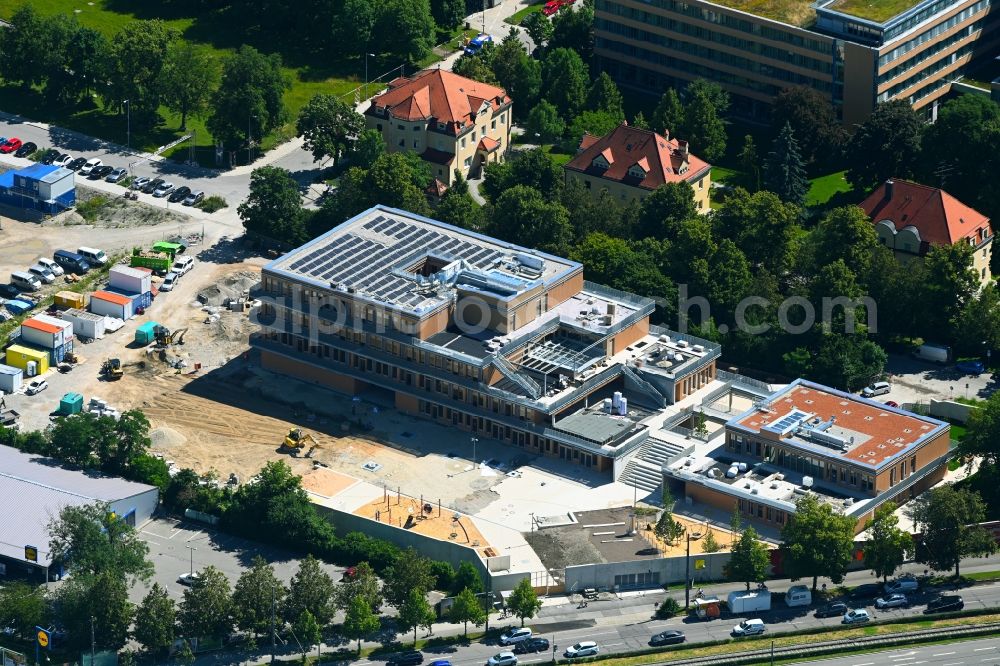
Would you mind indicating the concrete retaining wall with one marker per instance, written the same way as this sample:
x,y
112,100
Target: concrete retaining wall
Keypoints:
x,y
671,570
951,410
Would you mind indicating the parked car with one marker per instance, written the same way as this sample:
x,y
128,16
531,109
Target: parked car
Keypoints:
x,y
115,175
945,604
140,183
189,579
970,367
866,591
515,635
163,189
551,7
56,269
582,649
9,291
750,627
411,658
151,186
25,150
892,601
36,386
502,659
667,638
833,609
63,160
878,388
50,156
477,43
902,584
440,662
891,403
42,273
90,165
77,164
194,198
533,644
179,194
856,616
100,172
169,281
182,265
10,145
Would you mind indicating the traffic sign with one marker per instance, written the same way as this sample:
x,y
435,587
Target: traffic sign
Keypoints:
x,y
43,638
31,553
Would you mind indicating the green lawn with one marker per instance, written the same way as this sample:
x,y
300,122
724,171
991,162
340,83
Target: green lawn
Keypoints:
x,y
726,176
825,188
796,12
308,75
556,154
517,17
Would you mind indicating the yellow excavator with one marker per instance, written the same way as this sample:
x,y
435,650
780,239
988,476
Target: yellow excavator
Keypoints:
x,y
296,440
165,337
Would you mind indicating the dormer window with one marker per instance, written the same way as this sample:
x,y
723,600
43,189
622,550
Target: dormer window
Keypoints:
x,y
636,171
600,163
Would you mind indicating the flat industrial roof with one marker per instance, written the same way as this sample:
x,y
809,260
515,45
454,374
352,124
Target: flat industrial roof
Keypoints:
x,y
817,417
415,264
33,490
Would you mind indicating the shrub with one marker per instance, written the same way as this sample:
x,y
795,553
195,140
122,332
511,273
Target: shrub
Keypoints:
x,y
90,208
213,203
668,608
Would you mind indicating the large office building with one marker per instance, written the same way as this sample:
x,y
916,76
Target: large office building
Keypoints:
x,y
848,451
858,53
498,340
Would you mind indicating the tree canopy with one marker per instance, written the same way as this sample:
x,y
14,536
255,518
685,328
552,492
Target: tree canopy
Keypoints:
x,y
818,541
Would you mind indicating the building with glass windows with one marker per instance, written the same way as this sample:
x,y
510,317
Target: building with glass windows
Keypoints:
x,y
850,452
856,52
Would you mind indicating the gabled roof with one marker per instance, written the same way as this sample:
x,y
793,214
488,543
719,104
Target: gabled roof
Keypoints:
x,y
438,94
625,147
488,144
940,218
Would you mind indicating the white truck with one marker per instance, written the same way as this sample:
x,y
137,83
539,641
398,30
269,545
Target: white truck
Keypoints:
x,y
740,602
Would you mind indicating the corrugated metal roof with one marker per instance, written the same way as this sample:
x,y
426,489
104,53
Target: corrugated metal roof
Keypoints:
x,y
83,314
118,299
34,489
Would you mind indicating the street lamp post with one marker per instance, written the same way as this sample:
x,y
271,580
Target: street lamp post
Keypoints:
x,y
128,124
364,93
687,568
191,550
249,139
475,440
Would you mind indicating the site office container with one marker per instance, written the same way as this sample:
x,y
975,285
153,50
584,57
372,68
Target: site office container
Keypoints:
x,y
139,299
32,361
129,280
146,333
85,324
70,299
11,378
47,335
111,304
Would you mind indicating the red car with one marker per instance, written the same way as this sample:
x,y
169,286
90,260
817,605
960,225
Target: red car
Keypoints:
x,y
551,7
11,145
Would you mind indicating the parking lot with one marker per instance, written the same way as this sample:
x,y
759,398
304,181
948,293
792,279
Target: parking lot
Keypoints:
x,y
175,546
916,381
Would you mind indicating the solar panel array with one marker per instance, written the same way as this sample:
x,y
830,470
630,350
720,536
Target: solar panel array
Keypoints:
x,y
365,259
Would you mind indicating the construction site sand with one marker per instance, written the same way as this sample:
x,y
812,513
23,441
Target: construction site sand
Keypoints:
x,y
326,482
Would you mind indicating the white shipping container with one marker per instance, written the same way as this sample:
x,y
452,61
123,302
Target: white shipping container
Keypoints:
x,y
85,324
111,305
10,379
129,279
67,326
42,334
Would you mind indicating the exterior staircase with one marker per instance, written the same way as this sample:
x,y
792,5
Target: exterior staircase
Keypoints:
x,y
644,470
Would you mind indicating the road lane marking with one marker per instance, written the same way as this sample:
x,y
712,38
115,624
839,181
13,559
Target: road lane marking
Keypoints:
x,y
942,654
954,663
992,647
867,663
902,658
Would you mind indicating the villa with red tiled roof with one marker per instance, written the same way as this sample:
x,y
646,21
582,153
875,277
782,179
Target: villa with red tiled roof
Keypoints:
x,y
455,124
630,163
911,218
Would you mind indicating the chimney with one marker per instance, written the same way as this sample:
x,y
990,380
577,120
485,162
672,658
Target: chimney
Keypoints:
x,y
666,134
683,146
888,190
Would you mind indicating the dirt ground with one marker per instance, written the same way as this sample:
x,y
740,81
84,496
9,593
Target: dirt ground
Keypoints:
x,y
723,538
432,520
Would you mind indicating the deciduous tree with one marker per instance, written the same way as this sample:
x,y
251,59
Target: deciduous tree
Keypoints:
x,y
887,544
465,609
522,212
539,29
750,561
524,601
250,100
545,122
415,612
405,29
22,607
103,597
813,120
467,577
362,584
273,208
890,141
668,116
359,621
155,621
207,609
135,61
948,521
817,541
91,540
565,78
703,128
409,572
311,590
257,593
189,78
329,127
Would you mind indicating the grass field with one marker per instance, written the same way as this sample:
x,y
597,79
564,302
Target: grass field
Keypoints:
x,y
211,31
825,188
517,17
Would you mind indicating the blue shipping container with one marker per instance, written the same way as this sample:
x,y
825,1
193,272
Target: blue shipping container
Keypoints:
x,y
138,300
57,355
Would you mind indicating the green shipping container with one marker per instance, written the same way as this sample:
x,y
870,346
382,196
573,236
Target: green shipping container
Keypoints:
x,y
146,333
71,403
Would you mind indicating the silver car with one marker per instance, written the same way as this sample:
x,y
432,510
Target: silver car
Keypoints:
x,y
163,189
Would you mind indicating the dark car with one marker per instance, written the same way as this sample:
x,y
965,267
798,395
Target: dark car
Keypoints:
x,y
77,164
50,156
412,658
9,291
866,591
667,638
834,609
25,150
100,172
945,604
179,194
970,367
151,186
531,645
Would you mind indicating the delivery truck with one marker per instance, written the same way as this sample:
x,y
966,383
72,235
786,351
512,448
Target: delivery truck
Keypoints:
x,y
741,602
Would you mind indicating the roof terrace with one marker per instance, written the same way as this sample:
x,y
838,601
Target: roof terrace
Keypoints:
x,y
799,13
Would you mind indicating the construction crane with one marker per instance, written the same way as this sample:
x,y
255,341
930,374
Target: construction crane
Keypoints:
x,y
112,369
296,440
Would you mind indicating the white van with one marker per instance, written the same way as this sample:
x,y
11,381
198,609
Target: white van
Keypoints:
x,y
93,256
53,267
25,281
182,265
42,273
798,595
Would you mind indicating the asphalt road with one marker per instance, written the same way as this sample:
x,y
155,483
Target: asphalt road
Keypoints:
x,y
594,625
977,652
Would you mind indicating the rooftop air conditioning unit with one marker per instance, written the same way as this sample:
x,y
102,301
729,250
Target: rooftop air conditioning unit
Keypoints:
x,y
698,348
807,482
664,338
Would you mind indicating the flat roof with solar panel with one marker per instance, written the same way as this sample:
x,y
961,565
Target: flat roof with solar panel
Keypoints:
x,y
412,263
